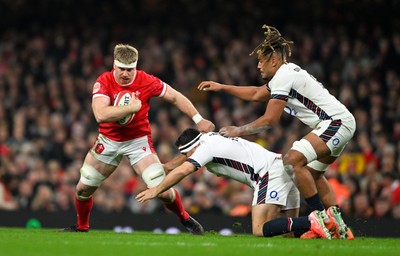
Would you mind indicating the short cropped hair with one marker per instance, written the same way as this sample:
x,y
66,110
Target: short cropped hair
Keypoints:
x,y
186,136
125,53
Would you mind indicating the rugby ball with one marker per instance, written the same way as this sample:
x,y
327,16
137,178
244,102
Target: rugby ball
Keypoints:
x,y
124,98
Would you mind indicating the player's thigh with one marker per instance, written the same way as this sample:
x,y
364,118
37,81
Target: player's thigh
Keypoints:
x,y
103,168
320,147
335,134
310,148
145,162
93,173
262,213
106,151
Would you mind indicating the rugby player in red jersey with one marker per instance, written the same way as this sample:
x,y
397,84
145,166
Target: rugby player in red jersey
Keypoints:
x,y
131,139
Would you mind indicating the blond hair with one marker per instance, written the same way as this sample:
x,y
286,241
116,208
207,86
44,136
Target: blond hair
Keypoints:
x,y
125,53
273,42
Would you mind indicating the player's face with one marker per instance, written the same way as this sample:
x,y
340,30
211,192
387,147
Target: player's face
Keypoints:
x,y
124,75
265,66
190,153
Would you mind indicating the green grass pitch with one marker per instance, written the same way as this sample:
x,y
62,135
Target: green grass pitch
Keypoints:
x,y
19,241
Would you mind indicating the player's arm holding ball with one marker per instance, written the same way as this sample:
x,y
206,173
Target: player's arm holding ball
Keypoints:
x,y
105,112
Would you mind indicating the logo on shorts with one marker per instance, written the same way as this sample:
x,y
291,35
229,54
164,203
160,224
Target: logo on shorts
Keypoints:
x,y
335,141
144,149
274,195
99,148
290,111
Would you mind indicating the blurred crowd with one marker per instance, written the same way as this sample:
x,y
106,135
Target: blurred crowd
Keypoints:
x,y
48,68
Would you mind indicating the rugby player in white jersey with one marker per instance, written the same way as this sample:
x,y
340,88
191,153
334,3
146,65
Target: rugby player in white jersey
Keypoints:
x,y
132,139
248,163
291,89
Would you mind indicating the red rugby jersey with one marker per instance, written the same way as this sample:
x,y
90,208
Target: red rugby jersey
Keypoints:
x,y
145,86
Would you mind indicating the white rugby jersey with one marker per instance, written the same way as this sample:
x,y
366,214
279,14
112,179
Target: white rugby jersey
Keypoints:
x,y
236,158
307,99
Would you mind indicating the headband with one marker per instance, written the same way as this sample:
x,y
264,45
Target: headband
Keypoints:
x,y
123,65
190,145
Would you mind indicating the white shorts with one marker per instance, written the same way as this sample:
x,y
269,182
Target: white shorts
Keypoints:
x,y
276,187
111,152
336,133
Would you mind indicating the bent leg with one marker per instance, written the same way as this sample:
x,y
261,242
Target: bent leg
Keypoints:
x,y
261,214
93,173
324,189
304,151
152,173
266,222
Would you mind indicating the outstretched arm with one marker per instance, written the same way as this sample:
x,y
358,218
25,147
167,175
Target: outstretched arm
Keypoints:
x,y
271,116
249,93
172,164
186,106
170,180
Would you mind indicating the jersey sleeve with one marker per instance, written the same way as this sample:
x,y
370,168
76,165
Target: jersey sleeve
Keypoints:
x,y
280,86
202,155
100,88
158,87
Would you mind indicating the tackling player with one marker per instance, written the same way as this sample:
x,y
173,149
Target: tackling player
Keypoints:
x,y
291,89
133,139
246,162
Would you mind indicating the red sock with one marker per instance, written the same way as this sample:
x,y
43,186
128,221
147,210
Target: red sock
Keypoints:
x,y
177,207
83,209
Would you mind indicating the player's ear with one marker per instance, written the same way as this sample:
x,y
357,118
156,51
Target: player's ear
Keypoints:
x,y
274,60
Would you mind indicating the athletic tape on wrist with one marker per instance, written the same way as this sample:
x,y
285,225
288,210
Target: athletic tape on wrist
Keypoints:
x,y
197,118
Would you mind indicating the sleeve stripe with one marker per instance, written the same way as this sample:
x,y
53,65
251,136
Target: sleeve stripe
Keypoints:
x,y
280,97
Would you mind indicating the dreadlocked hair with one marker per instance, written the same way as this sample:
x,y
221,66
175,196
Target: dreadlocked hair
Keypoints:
x,y
273,41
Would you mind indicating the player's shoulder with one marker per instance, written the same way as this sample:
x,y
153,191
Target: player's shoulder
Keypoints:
x,y
287,73
143,76
145,79
290,69
210,137
105,77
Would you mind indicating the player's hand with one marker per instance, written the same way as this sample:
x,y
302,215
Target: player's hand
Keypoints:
x,y
210,86
136,103
230,131
146,195
205,126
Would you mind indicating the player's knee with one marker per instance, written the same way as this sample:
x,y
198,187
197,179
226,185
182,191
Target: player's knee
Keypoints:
x,y
288,167
168,196
153,175
90,176
289,164
83,195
